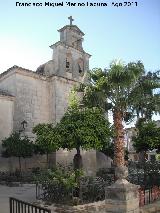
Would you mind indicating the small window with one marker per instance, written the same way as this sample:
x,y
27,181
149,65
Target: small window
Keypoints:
x,y
80,69
67,64
80,66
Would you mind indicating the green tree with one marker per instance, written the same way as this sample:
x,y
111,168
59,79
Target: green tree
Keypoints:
x,y
108,150
147,101
148,137
118,88
158,157
85,128
17,146
47,139
79,128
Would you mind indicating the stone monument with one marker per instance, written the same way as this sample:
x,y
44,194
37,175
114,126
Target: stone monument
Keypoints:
x,y
122,196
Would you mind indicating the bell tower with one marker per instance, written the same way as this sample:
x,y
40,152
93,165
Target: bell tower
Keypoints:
x,y
70,60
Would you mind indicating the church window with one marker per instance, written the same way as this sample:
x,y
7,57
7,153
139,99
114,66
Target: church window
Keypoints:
x,y
68,60
80,69
80,66
67,64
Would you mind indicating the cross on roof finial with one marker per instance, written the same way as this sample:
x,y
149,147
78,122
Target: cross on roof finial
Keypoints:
x,y
71,20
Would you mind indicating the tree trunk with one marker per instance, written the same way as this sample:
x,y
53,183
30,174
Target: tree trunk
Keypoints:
x,y
20,169
119,139
77,164
52,160
47,160
77,161
19,158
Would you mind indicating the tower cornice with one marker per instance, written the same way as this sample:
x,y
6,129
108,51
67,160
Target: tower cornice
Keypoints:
x,y
72,28
59,43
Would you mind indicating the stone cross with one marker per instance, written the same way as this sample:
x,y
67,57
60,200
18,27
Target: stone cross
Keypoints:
x,y
71,20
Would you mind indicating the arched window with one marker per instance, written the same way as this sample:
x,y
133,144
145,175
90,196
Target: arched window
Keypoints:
x,y
80,66
68,60
67,63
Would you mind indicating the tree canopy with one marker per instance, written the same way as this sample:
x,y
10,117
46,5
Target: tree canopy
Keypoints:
x,y
47,139
124,89
79,128
86,128
17,146
148,137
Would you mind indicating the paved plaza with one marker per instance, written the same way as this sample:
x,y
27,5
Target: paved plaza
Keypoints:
x,y
27,192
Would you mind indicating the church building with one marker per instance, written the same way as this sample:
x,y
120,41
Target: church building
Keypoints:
x,y
28,97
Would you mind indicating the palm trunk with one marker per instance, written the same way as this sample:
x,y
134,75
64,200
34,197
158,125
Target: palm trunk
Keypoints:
x,y
119,139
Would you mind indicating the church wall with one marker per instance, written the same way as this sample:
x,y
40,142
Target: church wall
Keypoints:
x,y
61,88
89,160
6,116
12,164
32,102
8,83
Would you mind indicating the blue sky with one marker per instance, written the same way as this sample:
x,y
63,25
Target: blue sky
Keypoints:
x,y
127,33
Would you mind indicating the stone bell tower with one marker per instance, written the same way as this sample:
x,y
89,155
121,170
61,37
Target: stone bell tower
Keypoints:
x,y
69,59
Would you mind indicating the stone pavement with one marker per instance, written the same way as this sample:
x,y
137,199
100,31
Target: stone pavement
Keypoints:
x,y
151,208
27,192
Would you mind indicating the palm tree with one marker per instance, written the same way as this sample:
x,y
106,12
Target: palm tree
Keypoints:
x,y
119,88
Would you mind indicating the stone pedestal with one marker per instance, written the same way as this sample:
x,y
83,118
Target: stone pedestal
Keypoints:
x,y
122,196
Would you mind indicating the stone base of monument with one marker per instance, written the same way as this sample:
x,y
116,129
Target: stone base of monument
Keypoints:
x,y
122,196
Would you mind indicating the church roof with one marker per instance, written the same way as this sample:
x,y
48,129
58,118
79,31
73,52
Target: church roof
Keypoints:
x,y
74,27
38,73
16,67
5,93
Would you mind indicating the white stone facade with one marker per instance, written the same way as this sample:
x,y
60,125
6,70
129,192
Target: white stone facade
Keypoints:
x,y
7,110
31,97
